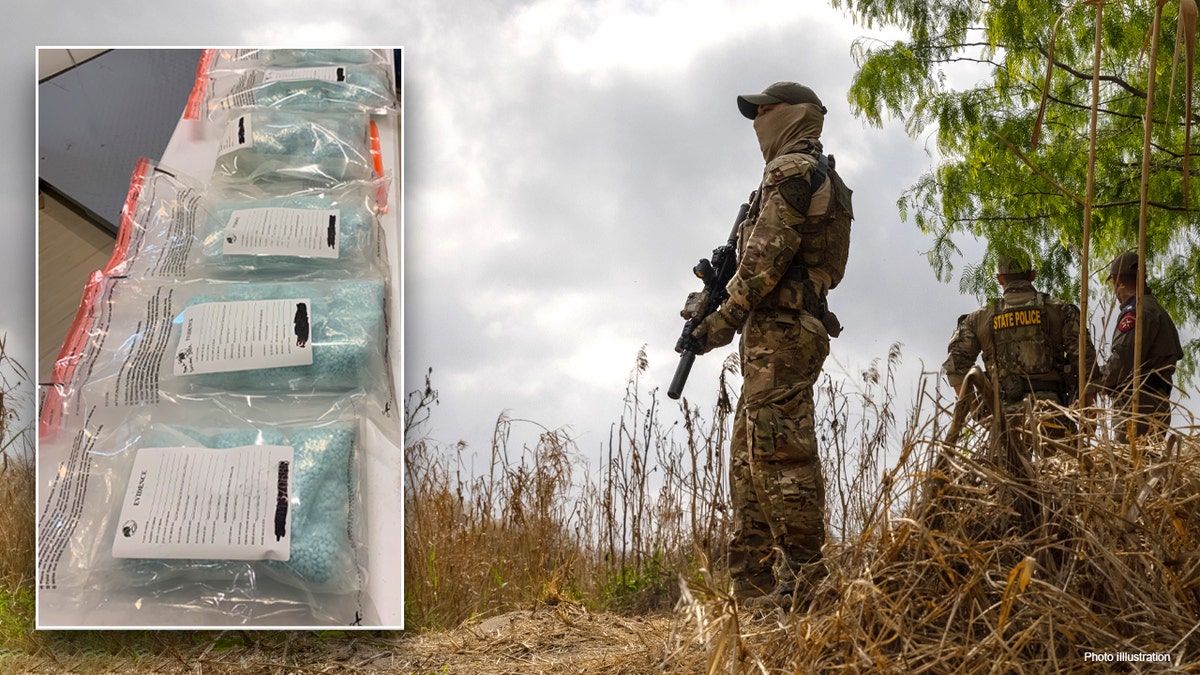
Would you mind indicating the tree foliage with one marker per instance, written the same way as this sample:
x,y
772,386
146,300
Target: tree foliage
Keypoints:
x,y
970,74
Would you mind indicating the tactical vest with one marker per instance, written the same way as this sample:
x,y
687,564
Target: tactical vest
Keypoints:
x,y
825,230
1027,351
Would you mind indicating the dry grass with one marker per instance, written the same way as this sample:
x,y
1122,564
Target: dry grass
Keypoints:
x,y
989,565
17,476
530,530
942,559
17,543
17,504
534,527
16,527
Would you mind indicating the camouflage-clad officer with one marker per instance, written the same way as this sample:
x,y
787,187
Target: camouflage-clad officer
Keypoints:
x,y
792,249
1029,340
1161,350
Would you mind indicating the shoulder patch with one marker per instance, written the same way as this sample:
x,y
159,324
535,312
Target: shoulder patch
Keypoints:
x,y
788,166
1126,323
797,193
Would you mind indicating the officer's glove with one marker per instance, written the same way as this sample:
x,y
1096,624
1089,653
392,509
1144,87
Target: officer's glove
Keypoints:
x,y
716,330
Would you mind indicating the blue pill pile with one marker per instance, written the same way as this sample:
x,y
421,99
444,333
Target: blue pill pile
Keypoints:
x,y
322,553
295,147
346,336
361,87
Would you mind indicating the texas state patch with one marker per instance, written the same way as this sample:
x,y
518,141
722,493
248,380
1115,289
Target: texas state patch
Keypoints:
x,y
1126,323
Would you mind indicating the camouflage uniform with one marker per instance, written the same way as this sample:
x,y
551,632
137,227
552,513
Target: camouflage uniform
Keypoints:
x,y
786,264
1029,342
1161,350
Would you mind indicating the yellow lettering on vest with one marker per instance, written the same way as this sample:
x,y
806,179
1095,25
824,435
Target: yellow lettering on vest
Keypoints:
x,y
1017,318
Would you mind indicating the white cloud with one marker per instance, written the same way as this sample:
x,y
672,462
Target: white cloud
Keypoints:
x,y
308,33
606,38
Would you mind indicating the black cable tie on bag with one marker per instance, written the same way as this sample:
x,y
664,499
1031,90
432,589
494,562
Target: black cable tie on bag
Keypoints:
x,y
281,502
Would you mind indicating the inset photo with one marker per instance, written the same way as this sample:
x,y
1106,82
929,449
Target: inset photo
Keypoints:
x,y
219,236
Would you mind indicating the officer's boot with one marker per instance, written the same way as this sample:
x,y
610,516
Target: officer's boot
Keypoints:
x,y
793,590
745,588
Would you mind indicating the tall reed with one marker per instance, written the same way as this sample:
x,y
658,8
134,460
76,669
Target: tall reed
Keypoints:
x,y
543,524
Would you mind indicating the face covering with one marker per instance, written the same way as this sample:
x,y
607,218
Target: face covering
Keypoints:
x,y
783,127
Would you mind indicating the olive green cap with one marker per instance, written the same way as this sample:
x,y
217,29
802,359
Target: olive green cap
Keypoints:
x,y
780,92
1015,263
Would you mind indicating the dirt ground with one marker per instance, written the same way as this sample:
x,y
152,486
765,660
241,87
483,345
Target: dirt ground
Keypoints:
x,y
556,639
560,639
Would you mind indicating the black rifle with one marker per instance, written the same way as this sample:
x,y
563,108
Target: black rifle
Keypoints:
x,y
715,273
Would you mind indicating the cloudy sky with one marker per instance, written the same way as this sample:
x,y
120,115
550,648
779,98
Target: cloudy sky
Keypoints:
x,y
567,163
568,167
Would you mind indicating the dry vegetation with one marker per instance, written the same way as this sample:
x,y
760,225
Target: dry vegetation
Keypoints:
x,y
16,505
17,544
975,561
531,529
942,559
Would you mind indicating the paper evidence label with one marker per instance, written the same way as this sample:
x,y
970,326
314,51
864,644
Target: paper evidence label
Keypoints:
x,y
219,337
302,233
239,133
320,73
227,504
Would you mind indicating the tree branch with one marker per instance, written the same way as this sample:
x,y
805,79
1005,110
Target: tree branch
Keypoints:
x,y
1088,77
1046,177
1103,111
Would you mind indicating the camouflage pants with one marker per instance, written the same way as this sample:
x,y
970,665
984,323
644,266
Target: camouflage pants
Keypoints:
x,y
776,484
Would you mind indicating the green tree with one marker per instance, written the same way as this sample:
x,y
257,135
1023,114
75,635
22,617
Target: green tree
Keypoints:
x,y
973,74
